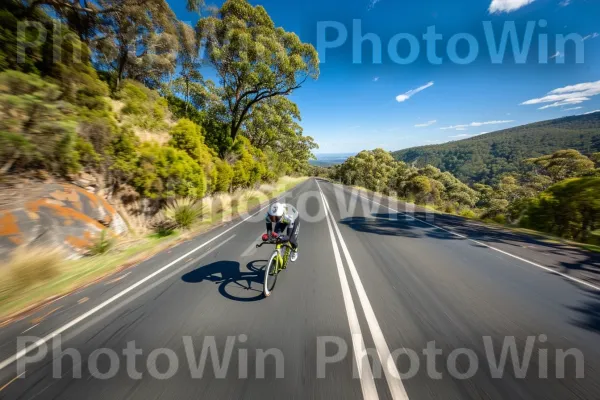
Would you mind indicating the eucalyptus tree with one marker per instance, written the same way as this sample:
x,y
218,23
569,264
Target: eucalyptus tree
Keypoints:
x,y
253,59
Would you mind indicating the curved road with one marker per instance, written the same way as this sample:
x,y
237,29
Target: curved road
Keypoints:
x,y
380,304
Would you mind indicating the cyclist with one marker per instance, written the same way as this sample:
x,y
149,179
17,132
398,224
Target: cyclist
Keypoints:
x,y
284,216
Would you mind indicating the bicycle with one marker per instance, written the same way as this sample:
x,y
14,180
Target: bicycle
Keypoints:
x,y
277,262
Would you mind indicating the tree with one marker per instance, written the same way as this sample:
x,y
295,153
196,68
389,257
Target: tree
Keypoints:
x,y
274,125
136,39
563,164
253,59
570,209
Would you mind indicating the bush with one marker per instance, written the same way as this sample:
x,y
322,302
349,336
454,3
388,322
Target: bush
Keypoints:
x,y
37,129
165,227
147,106
466,213
28,267
184,212
500,219
102,244
189,137
163,171
570,209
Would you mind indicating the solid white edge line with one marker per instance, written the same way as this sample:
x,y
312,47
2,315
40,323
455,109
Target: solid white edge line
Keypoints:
x,y
389,366
99,307
581,282
367,383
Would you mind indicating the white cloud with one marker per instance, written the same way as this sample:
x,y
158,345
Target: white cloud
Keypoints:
x,y
372,4
500,6
592,112
557,55
462,135
426,124
475,124
572,109
568,95
591,36
403,97
565,3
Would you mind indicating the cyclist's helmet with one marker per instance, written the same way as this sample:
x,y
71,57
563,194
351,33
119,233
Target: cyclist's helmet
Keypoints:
x,y
276,211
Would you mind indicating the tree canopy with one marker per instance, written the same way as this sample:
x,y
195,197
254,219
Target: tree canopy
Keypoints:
x,y
253,59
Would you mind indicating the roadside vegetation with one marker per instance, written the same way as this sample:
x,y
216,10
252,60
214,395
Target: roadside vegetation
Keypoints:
x,y
131,106
113,90
559,194
36,275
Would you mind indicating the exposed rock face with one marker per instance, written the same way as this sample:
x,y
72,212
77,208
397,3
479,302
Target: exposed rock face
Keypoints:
x,y
64,216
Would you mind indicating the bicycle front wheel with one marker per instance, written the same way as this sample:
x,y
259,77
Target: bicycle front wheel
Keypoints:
x,y
271,272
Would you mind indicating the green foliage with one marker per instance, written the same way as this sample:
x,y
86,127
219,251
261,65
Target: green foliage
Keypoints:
x,y
37,129
569,209
145,106
224,176
189,137
486,157
55,114
563,164
183,212
162,172
377,170
254,60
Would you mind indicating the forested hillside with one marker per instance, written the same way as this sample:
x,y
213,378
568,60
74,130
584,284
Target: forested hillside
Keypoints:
x,y
486,157
113,89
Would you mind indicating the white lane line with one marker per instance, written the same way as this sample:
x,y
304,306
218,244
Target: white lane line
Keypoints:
x,y
28,329
143,291
251,249
94,310
581,282
133,297
385,357
367,384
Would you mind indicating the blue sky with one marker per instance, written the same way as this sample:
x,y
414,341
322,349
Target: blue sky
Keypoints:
x,y
365,104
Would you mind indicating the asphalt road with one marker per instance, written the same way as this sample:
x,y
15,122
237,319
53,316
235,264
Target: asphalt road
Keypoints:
x,y
369,280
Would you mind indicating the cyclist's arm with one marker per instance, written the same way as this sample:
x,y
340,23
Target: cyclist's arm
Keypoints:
x,y
269,225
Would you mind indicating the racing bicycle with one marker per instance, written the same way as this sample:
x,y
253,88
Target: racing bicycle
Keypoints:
x,y
277,262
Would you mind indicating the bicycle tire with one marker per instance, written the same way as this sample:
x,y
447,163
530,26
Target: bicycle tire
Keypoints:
x,y
270,280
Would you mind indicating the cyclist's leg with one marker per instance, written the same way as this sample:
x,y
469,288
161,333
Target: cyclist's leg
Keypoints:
x,y
293,234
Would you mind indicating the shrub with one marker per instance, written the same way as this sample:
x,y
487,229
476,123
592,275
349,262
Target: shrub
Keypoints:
x,y
163,171
102,244
37,129
466,213
189,137
27,267
147,106
224,176
184,212
165,227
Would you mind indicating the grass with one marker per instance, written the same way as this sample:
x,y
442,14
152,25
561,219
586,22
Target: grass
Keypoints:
x,y
32,277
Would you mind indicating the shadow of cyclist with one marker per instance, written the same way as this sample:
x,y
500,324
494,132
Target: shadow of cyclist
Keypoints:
x,y
234,284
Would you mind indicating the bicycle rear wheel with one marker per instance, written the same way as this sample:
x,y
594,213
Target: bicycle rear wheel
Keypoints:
x,y
271,272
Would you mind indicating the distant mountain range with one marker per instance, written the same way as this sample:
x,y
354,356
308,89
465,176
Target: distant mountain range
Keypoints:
x,y
327,160
485,157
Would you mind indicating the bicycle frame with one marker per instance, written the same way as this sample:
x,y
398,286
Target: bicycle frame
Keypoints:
x,y
282,259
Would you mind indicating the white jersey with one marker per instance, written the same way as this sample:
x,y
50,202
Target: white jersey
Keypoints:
x,y
290,214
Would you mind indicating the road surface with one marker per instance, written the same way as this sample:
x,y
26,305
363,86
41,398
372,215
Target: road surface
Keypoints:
x,y
372,287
